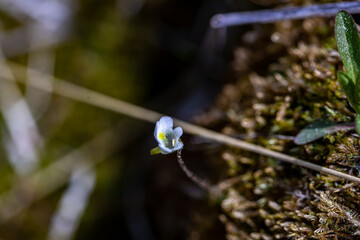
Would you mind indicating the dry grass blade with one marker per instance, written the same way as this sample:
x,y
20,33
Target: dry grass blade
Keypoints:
x,y
43,182
290,13
81,94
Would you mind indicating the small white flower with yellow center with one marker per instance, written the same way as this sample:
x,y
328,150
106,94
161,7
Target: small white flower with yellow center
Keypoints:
x,y
167,137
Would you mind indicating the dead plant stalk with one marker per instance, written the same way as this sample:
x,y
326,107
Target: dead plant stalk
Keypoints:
x,y
81,94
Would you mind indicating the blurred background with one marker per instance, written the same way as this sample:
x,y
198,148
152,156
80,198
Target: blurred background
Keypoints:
x,y
74,171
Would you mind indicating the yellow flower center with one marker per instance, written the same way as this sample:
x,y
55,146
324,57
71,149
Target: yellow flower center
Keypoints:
x,y
161,136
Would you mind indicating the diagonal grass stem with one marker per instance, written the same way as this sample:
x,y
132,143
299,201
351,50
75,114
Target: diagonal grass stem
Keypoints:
x,y
72,91
273,15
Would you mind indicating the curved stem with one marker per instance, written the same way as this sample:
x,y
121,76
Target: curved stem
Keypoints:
x,y
201,182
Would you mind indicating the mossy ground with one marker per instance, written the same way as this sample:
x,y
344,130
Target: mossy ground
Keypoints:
x,y
269,106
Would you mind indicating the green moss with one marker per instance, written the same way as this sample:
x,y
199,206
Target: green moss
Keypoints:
x,y
275,200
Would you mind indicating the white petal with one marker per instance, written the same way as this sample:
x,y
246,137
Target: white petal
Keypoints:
x,y
178,146
166,122
178,132
165,150
163,125
156,131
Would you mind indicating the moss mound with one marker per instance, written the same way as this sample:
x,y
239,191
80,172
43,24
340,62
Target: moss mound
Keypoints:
x,y
271,199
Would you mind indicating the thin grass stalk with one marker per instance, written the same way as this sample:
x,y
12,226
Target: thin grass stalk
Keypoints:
x,y
290,13
81,94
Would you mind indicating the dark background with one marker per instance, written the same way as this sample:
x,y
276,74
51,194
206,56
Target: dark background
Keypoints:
x,y
159,54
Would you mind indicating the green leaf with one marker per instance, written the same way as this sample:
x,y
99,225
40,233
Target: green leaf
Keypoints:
x,y
357,123
348,42
348,87
320,128
154,151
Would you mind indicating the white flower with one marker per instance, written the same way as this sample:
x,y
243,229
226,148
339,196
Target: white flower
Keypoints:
x,y
167,137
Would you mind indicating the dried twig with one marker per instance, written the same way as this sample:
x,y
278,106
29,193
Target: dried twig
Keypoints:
x,y
274,15
72,91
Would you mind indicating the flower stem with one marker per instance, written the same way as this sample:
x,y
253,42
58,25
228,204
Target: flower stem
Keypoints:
x,y
201,182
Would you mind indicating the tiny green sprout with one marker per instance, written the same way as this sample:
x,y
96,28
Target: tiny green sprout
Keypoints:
x,y
168,138
348,42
